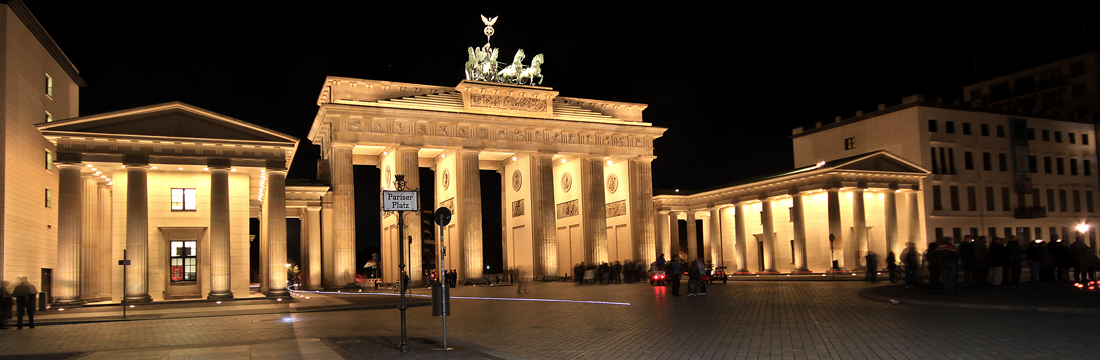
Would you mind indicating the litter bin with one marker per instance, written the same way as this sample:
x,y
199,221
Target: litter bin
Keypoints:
x,y
441,295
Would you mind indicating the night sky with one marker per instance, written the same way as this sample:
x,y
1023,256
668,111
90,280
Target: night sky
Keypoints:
x,y
728,84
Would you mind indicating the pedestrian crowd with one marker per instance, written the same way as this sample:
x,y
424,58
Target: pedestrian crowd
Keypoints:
x,y
999,263
610,273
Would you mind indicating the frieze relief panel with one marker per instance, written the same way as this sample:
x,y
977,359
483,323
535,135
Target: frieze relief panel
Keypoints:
x,y
482,133
508,103
517,208
617,208
355,125
377,126
400,127
568,208
464,131
422,129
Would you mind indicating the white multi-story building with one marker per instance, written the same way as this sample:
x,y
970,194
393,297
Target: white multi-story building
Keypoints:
x,y
1067,86
994,172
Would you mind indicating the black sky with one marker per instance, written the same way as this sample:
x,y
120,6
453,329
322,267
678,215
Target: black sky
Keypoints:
x,y
728,84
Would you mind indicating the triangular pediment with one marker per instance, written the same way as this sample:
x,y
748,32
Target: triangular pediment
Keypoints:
x,y
170,121
882,161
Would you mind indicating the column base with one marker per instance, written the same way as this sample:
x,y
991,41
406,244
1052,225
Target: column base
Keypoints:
x,y
219,296
67,302
278,294
144,298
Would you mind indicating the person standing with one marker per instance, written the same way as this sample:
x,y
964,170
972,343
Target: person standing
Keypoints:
x,y
981,250
693,278
966,257
947,256
24,294
933,268
702,271
5,305
1075,250
673,274
911,259
996,259
872,263
1015,258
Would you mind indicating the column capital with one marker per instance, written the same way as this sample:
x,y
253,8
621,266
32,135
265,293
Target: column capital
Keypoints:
x,y
276,172
137,166
76,165
643,158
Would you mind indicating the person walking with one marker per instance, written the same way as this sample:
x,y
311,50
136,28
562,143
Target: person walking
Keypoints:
x,y
24,294
673,274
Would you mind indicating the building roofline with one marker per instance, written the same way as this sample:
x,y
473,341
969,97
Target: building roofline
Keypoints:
x,y
1033,68
918,100
20,9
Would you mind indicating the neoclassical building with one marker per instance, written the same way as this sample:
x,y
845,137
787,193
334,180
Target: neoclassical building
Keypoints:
x,y
576,172
782,223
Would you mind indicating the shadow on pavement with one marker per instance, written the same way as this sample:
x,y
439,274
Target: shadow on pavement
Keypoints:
x,y
1030,296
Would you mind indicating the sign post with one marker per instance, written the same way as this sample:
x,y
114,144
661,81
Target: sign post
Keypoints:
x,y
124,262
401,201
442,218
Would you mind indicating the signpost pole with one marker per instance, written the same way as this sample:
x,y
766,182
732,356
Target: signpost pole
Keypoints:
x,y
442,218
401,201
124,262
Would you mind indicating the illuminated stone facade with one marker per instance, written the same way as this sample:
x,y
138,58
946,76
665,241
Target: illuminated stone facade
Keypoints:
x,y
782,222
552,152
994,173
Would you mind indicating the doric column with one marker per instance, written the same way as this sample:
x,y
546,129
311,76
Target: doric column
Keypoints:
x,y
799,220
642,227
312,244
328,242
837,245
137,233
660,222
89,235
276,233
915,227
106,241
859,222
890,204
769,235
407,163
343,227
544,231
740,236
219,234
673,234
714,247
692,237
468,179
66,284
593,210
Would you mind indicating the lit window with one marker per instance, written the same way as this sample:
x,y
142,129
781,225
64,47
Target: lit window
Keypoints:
x,y
49,199
183,199
184,261
49,85
49,160
49,117
849,143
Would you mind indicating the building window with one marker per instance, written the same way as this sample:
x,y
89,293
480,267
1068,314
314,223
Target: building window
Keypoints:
x,y
1000,131
990,202
932,126
1006,199
1084,139
849,143
49,117
1031,134
1073,166
935,168
1052,99
992,232
49,85
1061,165
1080,91
957,233
937,204
1003,161
971,198
1050,200
968,160
1057,136
1035,197
955,198
1048,166
184,261
1046,135
1032,164
1076,200
1088,201
966,128
1072,138
49,160
1062,201
183,199
950,159
1077,69
949,127
1087,165
49,198
985,129
987,162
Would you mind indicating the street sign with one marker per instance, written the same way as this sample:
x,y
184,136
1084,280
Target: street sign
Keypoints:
x,y
400,201
442,216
